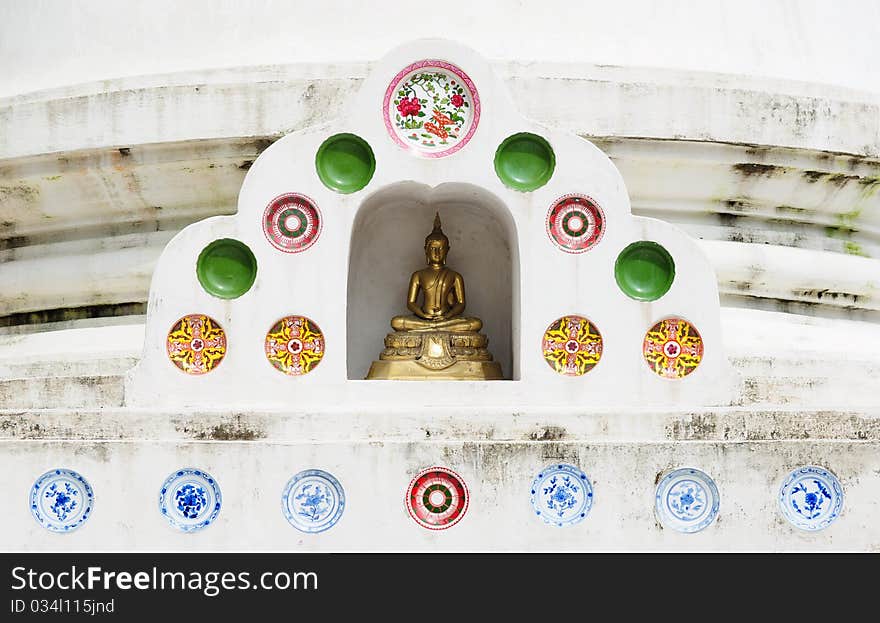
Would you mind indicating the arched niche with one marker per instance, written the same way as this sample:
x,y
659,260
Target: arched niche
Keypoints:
x,y
387,245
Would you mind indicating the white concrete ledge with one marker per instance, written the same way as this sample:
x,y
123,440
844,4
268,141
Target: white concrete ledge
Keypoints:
x,y
795,274
398,424
584,99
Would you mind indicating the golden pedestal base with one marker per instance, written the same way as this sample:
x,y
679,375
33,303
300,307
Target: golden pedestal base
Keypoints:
x,y
436,356
412,371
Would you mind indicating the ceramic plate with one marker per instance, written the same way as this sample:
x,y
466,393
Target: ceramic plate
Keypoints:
x,y
226,268
524,161
673,348
644,271
292,223
686,500
313,501
294,345
811,497
561,495
345,163
437,498
196,344
572,345
575,223
431,108
61,500
190,499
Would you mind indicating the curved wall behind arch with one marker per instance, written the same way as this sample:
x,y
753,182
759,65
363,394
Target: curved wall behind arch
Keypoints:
x,y
51,44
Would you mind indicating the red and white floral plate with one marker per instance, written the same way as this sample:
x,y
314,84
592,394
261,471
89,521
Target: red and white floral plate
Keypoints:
x,y
431,108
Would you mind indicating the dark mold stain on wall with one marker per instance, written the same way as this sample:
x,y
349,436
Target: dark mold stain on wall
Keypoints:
x,y
233,429
754,168
548,433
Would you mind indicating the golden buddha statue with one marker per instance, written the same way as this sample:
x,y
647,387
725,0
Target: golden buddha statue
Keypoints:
x,y
436,341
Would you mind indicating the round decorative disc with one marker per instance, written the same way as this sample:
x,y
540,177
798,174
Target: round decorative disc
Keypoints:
x,y
292,222
345,163
811,498
673,348
437,498
524,161
190,499
561,495
575,223
431,108
226,268
313,501
572,345
196,344
295,345
644,271
61,500
687,500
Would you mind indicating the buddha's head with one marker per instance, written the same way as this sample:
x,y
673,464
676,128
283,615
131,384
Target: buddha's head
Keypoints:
x,y
436,244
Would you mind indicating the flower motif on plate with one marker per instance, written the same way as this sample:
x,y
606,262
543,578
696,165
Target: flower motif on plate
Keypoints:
x,y
673,348
313,501
61,500
811,498
196,344
686,500
572,345
190,499
561,495
431,108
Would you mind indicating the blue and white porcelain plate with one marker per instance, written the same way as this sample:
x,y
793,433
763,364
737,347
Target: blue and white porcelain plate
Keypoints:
x,y
61,500
686,500
811,497
190,499
561,495
313,501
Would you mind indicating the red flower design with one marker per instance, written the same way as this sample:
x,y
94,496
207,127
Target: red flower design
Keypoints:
x,y
409,107
457,100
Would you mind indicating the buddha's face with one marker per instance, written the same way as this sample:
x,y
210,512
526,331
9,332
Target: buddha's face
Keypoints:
x,y
435,251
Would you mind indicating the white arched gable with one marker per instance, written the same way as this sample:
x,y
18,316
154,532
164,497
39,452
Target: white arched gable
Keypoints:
x,y
544,282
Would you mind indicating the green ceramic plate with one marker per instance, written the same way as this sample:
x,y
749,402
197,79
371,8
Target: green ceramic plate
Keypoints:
x,y
226,268
644,271
524,161
345,163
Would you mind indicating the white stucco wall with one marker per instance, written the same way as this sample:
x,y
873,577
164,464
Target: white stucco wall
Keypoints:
x,y
753,125
375,476
48,43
